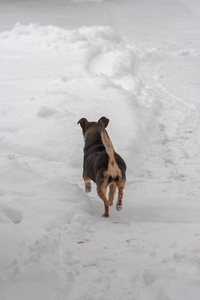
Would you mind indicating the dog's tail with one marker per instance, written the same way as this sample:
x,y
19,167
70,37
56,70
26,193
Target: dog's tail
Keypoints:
x,y
107,143
113,168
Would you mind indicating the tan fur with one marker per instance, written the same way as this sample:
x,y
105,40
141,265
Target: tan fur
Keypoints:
x,y
107,143
120,187
112,193
101,191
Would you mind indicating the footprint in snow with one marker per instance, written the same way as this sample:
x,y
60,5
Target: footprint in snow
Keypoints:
x,y
45,112
11,213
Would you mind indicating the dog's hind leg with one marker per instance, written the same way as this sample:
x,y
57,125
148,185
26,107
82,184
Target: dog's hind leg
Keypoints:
x,y
101,191
120,186
112,193
88,186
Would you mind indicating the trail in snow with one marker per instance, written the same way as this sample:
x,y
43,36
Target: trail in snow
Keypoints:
x,y
54,243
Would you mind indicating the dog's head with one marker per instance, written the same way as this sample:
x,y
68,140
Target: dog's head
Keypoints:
x,y
86,125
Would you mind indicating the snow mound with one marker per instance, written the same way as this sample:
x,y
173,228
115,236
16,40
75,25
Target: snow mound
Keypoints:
x,y
33,213
88,72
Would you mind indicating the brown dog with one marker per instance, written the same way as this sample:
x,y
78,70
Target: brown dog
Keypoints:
x,y
101,163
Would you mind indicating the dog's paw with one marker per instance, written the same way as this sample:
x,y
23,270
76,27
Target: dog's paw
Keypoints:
x,y
88,189
118,207
105,215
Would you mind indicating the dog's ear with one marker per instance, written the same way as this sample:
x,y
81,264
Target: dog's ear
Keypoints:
x,y
103,121
84,124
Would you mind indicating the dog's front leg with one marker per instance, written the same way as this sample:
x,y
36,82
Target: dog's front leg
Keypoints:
x,y
88,186
101,191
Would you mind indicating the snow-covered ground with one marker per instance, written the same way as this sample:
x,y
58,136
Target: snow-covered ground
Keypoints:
x,y
137,63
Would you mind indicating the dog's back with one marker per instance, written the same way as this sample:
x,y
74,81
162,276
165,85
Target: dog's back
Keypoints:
x,y
100,159
95,155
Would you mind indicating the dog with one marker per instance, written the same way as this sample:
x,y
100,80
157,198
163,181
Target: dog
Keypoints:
x,y
102,164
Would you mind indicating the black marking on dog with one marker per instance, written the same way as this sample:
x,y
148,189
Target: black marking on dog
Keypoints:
x,y
111,179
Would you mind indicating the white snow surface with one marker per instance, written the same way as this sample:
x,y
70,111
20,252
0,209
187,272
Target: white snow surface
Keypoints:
x,y
138,64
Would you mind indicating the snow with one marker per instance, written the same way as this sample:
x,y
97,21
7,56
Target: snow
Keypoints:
x,y
137,63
